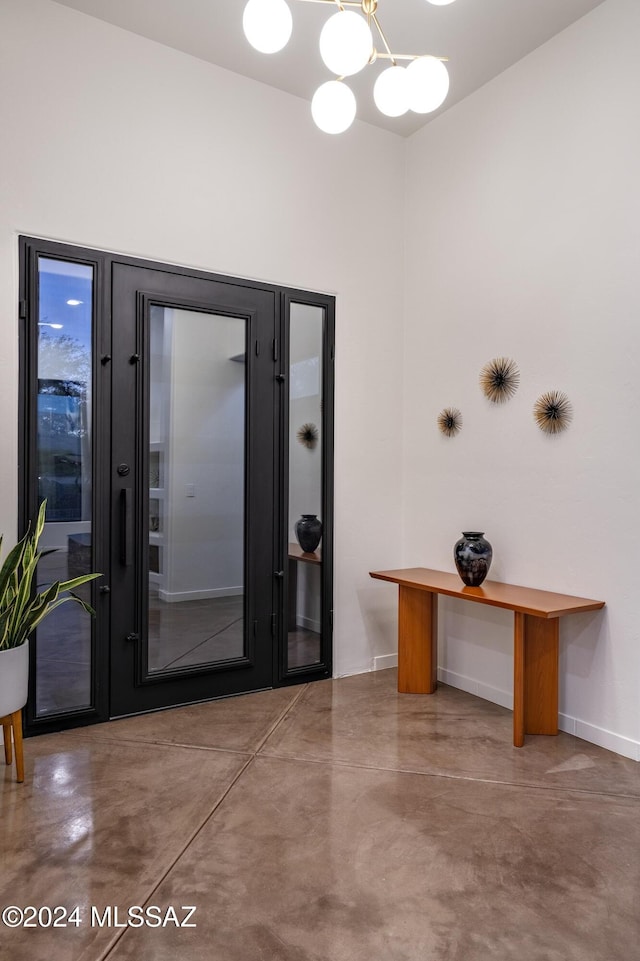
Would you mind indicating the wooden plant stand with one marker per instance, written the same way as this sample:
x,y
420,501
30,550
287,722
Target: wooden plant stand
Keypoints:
x,y
12,723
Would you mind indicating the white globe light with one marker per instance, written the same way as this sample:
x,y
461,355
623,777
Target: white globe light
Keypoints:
x,y
440,3
346,43
267,24
428,82
391,92
333,107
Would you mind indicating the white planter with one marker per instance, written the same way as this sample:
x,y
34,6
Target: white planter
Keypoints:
x,y
14,679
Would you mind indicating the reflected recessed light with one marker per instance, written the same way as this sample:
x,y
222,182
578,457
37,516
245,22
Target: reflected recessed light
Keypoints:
x,y
55,326
74,303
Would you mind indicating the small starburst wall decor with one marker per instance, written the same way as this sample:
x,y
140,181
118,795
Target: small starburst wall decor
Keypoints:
x,y
553,411
450,421
499,379
308,436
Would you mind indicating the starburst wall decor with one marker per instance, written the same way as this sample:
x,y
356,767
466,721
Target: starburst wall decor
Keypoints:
x,y
308,436
553,411
450,421
499,379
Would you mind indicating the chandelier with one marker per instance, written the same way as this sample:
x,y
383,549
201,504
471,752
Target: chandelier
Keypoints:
x,y
347,45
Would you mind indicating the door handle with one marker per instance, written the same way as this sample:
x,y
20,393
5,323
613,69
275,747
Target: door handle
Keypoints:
x,y
126,527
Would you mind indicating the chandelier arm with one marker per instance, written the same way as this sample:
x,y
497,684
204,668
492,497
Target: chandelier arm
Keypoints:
x,y
409,56
385,56
341,3
383,38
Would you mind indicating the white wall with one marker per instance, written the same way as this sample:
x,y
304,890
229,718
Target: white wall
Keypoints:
x,y
523,240
113,141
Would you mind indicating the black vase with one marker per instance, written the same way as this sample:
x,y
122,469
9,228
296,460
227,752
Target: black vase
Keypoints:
x,y
308,531
473,555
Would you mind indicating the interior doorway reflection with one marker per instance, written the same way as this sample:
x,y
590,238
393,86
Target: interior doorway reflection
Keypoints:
x,y
197,409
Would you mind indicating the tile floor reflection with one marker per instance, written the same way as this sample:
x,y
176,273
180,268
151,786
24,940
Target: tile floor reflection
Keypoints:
x,y
63,652
336,821
186,634
303,647
194,632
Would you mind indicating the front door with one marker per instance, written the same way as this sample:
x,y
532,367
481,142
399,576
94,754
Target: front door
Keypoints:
x,y
179,426
192,488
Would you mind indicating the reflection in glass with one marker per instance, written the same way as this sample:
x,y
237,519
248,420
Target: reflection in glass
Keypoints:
x,y
196,489
64,458
305,485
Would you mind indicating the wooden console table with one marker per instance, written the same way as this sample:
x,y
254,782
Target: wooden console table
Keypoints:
x,y
536,622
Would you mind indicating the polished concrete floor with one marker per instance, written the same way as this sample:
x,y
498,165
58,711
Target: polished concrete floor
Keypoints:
x,y
336,821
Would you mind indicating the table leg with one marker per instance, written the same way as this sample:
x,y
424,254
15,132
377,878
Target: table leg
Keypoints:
x,y
417,641
535,676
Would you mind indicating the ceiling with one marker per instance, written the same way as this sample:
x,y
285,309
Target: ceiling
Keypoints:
x,y
481,37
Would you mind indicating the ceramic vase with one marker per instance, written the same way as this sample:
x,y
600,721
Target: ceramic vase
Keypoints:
x,y
308,531
472,554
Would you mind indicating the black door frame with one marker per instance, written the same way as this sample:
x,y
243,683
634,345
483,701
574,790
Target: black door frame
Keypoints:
x,y
103,264
135,290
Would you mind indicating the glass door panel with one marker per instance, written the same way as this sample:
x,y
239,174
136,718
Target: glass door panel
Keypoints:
x,y
64,464
304,627
197,410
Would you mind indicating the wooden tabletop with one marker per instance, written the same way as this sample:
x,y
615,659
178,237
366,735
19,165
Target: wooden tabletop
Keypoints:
x,y
309,557
526,600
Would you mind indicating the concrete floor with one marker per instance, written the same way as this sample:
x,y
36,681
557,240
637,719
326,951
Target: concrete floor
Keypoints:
x,y
337,821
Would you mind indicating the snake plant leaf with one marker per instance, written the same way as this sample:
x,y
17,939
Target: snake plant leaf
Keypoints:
x,y
77,581
4,622
40,616
10,568
23,608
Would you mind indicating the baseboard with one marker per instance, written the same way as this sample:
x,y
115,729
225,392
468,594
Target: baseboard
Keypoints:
x,y
494,694
600,736
309,624
617,743
385,661
609,740
175,597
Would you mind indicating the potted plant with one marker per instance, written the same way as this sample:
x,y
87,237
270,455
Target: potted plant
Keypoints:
x,y
21,610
